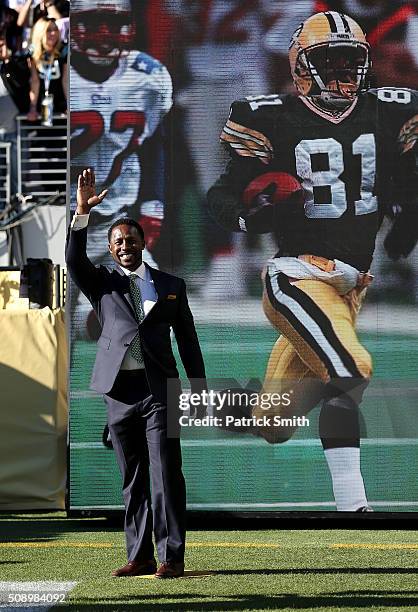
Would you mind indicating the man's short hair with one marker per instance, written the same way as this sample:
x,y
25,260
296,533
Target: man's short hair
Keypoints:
x,y
125,221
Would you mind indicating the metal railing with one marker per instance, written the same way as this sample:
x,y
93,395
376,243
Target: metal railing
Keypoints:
x,y
42,156
5,174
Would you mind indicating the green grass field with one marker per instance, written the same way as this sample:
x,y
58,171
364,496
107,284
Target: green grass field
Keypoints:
x,y
282,569
253,570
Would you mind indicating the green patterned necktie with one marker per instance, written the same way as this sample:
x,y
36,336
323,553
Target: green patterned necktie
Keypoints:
x,y
135,292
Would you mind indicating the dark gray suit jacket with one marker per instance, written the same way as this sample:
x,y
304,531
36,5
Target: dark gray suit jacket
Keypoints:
x,y
107,289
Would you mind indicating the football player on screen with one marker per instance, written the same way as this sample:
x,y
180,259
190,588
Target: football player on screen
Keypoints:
x,y
354,151
119,97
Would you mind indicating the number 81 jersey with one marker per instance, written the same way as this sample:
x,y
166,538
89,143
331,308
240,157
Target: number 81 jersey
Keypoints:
x,y
110,121
351,166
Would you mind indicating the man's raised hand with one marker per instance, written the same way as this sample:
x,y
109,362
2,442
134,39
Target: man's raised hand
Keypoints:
x,y
86,192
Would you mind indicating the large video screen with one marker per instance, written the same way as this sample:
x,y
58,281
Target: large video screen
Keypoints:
x,y
272,165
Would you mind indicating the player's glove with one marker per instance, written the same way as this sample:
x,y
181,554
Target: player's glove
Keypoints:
x,y
403,235
259,218
151,219
270,198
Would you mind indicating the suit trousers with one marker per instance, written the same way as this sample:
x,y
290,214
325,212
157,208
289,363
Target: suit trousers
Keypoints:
x,y
138,429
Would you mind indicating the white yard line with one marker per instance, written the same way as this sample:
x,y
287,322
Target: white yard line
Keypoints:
x,y
258,442
293,505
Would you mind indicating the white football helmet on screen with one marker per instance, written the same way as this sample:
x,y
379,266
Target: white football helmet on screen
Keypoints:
x,y
103,30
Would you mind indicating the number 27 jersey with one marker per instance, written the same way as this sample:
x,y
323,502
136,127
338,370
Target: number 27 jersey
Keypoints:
x,y
111,120
350,166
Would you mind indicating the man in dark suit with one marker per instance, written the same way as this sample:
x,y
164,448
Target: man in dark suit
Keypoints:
x,y
136,306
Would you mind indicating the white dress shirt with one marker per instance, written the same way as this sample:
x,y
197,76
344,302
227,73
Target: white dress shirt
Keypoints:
x,y
146,286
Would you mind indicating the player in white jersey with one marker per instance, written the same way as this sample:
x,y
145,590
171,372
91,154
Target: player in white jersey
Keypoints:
x,y
119,98
110,120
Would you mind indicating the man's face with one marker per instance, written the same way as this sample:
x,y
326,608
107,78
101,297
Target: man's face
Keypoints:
x,y
339,67
101,35
126,246
99,38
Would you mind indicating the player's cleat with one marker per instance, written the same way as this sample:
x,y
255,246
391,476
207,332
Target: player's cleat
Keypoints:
x,y
365,509
236,413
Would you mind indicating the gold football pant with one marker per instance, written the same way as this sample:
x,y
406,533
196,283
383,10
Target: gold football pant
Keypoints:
x,y
318,347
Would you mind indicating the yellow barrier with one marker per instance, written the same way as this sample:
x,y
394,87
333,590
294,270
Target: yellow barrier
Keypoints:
x,y
33,409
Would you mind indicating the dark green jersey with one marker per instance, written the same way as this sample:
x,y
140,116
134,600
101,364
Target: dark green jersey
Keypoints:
x,y
352,167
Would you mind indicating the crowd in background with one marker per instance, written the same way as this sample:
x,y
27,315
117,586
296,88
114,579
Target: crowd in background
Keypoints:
x,y
33,57
33,37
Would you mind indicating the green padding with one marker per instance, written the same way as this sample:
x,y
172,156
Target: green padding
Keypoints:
x,y
241,470
243,473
